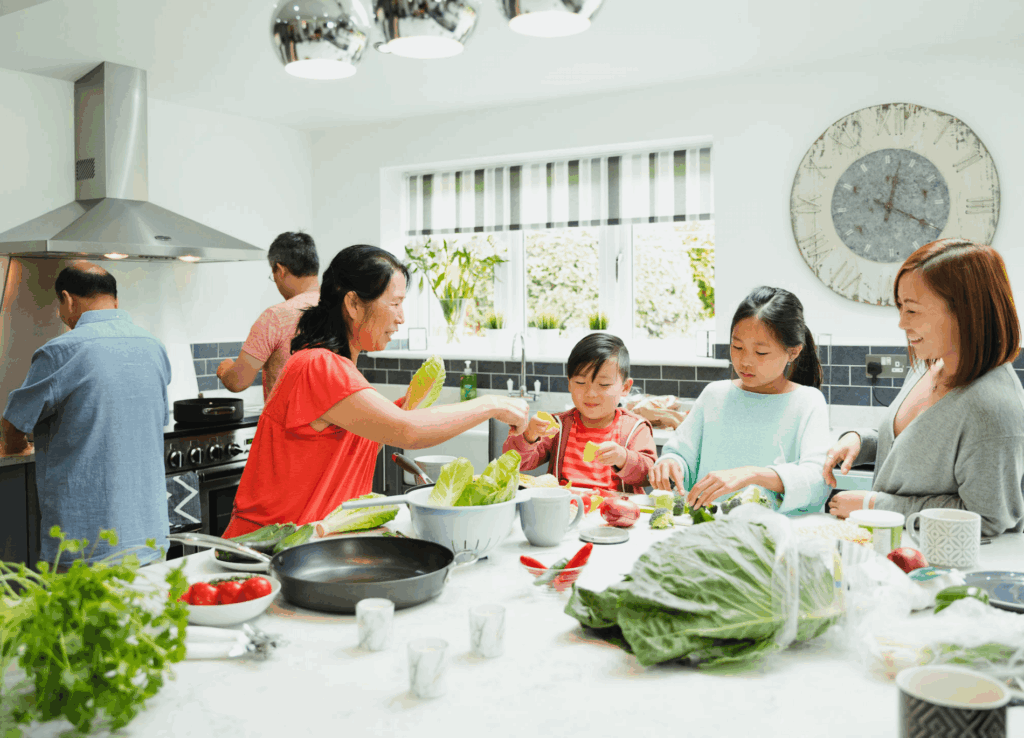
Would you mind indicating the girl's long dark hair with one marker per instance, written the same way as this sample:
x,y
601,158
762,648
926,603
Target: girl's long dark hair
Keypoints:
x,y
365,270
783,313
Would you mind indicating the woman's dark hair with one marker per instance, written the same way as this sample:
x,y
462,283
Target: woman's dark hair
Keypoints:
x,y
592,352
365,270
783,315
91,283
296,252
971,279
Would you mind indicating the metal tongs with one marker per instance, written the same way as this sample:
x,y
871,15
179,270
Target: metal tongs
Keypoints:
x,y
202,642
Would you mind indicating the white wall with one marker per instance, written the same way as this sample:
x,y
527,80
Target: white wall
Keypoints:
x,y
762,125
249,179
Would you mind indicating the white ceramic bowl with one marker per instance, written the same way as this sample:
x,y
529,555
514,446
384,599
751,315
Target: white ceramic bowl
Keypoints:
x,y
472,529
224,615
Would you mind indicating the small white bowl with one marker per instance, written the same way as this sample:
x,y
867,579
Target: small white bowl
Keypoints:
x,y
239,612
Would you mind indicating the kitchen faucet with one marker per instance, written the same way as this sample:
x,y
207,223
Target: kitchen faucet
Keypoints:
x,y
529,396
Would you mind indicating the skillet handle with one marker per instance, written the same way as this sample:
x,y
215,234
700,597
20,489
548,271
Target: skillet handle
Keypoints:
x,y
224,544
468,559
375,502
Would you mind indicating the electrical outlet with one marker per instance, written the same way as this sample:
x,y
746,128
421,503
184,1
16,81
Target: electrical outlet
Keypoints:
x,y
893,366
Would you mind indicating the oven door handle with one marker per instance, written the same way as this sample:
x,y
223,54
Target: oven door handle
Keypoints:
x,y
220,477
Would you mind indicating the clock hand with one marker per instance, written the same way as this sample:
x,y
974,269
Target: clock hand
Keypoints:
x,y
890,208
892,192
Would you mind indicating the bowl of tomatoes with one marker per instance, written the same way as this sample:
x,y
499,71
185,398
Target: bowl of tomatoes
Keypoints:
x,y
220,600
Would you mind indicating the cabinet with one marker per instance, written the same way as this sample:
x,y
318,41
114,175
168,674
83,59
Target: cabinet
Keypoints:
x,y
19,515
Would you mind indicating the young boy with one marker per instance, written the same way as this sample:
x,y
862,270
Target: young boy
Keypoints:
x,y
598,371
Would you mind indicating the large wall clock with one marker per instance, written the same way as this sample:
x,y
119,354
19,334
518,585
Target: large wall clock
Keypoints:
x,y
881,182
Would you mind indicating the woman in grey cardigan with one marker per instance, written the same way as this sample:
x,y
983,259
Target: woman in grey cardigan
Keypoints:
x,y
954,435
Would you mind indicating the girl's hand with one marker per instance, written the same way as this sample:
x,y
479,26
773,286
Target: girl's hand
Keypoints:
x,y
716,484
611,453
664,473
844,503
513,411
536,429
842,454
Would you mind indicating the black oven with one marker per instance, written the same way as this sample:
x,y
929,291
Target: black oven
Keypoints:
x,y
203,467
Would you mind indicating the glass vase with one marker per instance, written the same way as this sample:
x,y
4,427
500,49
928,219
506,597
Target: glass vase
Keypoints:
x,y
454,312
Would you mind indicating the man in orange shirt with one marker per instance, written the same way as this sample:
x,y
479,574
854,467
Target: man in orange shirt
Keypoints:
x,y
294,268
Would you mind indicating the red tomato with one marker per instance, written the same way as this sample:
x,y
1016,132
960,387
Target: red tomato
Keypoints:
x,y
186,597
227,593
253,589
202,593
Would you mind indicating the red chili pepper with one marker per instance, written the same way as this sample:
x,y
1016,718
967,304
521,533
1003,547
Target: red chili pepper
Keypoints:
x,y
531,562
579,559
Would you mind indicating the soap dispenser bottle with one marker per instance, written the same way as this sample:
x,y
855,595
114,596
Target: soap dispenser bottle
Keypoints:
x,y
467,384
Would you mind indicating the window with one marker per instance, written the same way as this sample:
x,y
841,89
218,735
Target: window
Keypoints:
x,y
630,235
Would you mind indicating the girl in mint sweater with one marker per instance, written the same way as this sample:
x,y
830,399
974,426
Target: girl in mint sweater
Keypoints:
x,y
768,426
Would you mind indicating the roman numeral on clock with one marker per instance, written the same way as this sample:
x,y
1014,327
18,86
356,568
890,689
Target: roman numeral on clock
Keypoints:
x,y
980,205
808,206
964,163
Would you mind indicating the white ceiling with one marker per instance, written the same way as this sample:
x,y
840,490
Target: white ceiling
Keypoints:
x,y
218,56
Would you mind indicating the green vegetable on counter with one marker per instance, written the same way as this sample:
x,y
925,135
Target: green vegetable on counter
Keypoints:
x,y
751,494
363,518
302,535
263,540
707,596
949,595
679,506
661,518
92,649
704,514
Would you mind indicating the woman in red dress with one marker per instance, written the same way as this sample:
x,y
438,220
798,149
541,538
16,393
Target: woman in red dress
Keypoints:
x,y
317,440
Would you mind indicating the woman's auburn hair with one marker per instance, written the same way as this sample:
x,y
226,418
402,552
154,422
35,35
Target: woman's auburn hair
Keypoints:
x,y
972,280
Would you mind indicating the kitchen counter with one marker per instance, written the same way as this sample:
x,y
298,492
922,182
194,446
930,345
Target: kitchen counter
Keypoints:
x,y
16,460
554,678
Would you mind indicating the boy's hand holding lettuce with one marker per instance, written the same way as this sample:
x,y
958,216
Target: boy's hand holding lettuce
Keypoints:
x,y
707,594
455,486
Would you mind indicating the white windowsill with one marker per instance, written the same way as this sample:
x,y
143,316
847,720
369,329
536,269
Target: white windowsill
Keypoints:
x,y
485,354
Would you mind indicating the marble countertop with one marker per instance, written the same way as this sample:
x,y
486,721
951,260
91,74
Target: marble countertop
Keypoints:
x,y
554,678
16,460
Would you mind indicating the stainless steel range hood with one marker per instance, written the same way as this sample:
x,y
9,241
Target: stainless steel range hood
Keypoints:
x,y
111,215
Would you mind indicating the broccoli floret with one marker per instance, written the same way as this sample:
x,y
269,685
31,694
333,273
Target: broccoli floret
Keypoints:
x,y
748,495
701,515
661,518
679,506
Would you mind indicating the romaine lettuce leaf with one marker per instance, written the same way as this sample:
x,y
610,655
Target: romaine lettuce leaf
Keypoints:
x,y
451,482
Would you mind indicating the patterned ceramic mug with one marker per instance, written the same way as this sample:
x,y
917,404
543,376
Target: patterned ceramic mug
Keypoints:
x,y
949,538
953,701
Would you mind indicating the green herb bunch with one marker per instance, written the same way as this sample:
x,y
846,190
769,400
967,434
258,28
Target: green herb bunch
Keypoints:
x,y
494,321
549,321
92,649
598,321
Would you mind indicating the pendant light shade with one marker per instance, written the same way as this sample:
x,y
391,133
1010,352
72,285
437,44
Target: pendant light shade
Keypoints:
x,y
424,29
549,18
320,39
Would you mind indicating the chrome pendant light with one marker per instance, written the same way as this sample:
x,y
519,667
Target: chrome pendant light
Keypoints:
x,y
549,18
424,29
320,39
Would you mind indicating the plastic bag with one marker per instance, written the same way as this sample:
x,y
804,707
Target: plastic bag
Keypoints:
x,y
968,633
664,411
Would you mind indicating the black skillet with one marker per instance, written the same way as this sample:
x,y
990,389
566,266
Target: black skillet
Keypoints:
x,y
332,575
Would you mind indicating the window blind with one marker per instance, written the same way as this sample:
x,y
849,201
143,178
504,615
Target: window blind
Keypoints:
x,y
646,187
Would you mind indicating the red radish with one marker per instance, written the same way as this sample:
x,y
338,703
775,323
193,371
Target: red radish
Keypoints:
x,y
619,512
907,559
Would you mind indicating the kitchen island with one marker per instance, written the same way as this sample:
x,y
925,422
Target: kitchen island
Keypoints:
x,y
553,680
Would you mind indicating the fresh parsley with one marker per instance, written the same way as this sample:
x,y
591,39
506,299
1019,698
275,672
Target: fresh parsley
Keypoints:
x,y
83,645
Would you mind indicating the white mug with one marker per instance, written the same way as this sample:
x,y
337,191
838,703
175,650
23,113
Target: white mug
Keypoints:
x,y
948,538
545,516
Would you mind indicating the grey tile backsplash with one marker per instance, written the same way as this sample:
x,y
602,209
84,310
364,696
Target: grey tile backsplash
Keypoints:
x,y
845,380
207,356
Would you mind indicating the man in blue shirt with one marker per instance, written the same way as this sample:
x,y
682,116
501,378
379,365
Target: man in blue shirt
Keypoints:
x,y
96,400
